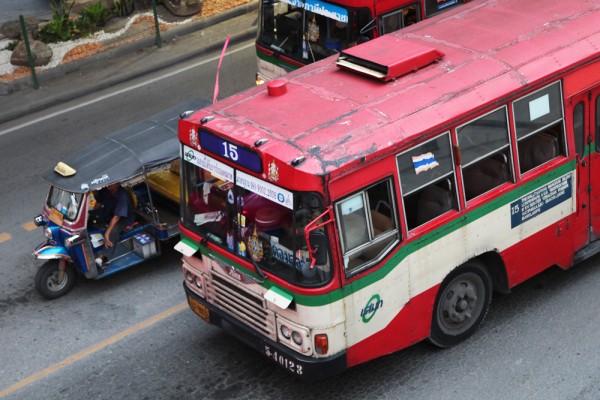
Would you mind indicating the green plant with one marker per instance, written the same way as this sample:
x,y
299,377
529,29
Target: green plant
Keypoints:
x,y
96,14
60,28
123,7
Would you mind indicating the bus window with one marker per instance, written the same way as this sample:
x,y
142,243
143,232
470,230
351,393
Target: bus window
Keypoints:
x,y
367,224
485,152
578,128
399,19
427,180
539,127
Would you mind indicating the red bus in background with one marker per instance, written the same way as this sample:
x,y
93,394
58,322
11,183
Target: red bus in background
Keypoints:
x,y
293,33
367,202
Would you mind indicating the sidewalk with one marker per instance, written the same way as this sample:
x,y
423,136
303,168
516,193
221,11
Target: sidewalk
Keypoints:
x,y
126,61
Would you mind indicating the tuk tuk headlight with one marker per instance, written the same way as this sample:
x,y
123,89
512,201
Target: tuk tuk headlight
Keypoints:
x,y
48,232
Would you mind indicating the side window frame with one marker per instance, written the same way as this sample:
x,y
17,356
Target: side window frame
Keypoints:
x,y
541,137
400,15
491,167
375,242
435,193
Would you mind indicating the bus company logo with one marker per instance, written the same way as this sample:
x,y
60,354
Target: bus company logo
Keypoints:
x,y
371,308
237,275
189,155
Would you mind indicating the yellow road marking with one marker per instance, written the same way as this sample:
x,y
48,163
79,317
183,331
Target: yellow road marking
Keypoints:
x,y
92,349
29,226
5,236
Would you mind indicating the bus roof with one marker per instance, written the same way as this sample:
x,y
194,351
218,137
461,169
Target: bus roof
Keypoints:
x,y
334,117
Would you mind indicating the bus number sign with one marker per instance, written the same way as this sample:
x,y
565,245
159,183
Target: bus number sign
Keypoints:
x,y
230,151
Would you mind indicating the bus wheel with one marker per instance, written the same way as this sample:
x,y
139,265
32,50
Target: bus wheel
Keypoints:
x,y
461,304
51,283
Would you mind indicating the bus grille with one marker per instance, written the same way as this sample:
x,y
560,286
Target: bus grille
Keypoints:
x,y
244,305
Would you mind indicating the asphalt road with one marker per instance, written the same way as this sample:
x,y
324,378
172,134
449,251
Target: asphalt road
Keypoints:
x,y
132,336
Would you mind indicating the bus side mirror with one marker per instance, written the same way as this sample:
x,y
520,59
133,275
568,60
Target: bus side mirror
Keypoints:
x,y
318,245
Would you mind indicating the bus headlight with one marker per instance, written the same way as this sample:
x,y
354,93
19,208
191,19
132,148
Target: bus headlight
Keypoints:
x,y
285,331
195,281
297,338
294,336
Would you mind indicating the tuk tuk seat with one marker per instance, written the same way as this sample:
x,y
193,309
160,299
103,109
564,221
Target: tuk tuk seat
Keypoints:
x,y
166,182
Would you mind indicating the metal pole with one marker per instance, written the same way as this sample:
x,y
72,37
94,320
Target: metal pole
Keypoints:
x,y
156,27
36,84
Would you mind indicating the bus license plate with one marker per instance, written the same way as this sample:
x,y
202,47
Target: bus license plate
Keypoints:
x,y
199,309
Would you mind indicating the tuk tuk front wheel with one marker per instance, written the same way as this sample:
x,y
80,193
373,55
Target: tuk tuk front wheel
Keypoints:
x,y
51,283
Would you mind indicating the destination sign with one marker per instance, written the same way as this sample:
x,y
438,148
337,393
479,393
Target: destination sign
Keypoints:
x,y
215,167
541,200
230,151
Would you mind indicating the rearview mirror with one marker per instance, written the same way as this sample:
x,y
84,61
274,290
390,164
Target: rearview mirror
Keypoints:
x,y
318,245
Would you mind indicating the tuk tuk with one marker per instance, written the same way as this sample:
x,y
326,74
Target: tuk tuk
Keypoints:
x,y
144,159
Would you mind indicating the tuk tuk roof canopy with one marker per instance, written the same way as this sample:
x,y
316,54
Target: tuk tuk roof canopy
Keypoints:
x,y
124,154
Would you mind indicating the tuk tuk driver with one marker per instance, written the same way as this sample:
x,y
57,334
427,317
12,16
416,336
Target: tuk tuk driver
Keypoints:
x,y
118,207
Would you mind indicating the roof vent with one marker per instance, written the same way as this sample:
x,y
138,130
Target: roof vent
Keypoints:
x,y
276,88
387,57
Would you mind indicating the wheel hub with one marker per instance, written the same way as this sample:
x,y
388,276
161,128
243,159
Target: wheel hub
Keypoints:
x,y
459,303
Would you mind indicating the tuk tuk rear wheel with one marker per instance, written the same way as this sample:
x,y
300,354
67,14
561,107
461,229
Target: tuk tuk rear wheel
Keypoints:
x,y
48,280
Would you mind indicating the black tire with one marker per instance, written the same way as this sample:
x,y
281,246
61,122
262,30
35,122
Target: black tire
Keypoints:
x,y
461,304
47,283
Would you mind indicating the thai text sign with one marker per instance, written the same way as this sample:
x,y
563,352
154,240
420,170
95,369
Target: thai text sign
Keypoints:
x,y
541,200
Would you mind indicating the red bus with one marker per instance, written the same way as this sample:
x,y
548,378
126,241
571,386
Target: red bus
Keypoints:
x,y
293,33
378,198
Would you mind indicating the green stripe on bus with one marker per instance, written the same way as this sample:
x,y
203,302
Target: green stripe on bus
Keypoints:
x,y
415,245
276,61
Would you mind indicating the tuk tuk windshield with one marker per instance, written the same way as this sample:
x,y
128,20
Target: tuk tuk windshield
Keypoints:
x,y
252,219
66,203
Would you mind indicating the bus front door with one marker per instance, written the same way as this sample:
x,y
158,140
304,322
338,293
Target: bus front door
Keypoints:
x,y
584,119
594,156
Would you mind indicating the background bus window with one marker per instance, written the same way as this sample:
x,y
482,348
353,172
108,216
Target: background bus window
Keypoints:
x,y
367,224
485,153
399,19
427,181
539,127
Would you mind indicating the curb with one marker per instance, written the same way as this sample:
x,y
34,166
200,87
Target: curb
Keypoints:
x,y
119,51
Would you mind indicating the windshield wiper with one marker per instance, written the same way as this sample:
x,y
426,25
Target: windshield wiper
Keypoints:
x,y
257,268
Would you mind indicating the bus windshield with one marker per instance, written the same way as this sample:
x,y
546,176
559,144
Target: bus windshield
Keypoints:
x,y
252,218
309,31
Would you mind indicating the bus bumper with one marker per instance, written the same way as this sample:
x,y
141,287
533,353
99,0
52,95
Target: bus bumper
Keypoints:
x,y
306,368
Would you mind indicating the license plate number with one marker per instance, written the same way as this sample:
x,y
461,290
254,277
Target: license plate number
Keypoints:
x,y
199,309
283,360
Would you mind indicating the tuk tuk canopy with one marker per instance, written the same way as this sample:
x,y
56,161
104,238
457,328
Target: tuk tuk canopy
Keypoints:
x,y
124,154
